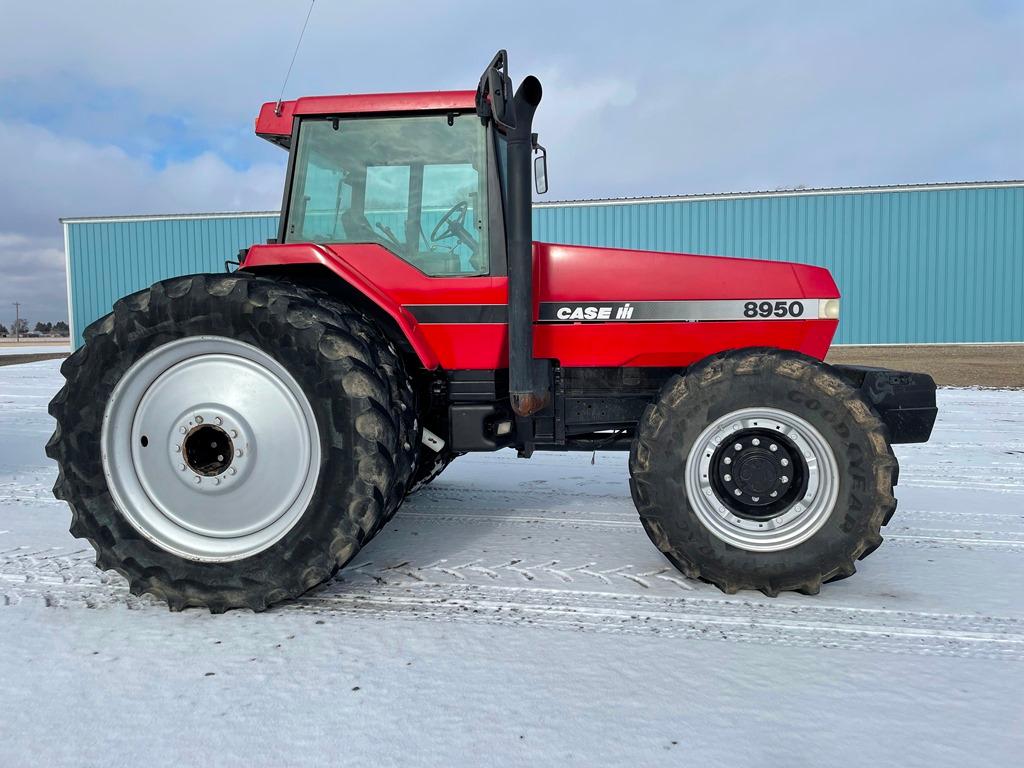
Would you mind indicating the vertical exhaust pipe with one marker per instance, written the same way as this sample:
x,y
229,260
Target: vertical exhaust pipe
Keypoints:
x,y
529,379
529,390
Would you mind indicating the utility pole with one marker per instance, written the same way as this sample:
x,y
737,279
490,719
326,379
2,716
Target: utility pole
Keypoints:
x,y
17,321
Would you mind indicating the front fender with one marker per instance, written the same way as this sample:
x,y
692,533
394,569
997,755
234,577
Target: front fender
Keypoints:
x,y
296,254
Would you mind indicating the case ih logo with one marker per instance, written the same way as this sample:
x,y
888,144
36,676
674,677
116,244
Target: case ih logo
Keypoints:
x,y
594,312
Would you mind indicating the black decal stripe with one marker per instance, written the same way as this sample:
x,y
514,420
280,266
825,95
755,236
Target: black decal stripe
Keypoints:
x,y
459,313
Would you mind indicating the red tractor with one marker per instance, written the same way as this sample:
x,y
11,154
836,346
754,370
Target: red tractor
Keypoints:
x,y
232,440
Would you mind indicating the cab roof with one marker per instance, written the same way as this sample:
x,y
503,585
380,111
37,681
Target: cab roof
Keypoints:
x,y
277,128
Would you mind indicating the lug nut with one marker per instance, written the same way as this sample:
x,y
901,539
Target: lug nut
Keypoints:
x,y
773,447
181,467
728,460
231,470
218,421
738,492
216,481
177,449
784,479
198,479
784,462
773,494
756,499
755,441
738,446
199,419
727,478
238,452
182,430
234,433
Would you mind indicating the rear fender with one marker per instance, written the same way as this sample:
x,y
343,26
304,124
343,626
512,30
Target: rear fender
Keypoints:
x,y
300,256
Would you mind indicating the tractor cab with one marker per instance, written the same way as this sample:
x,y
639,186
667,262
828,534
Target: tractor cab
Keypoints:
x,y
424,175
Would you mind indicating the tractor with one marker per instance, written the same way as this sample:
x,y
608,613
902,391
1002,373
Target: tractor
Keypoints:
x,y
232,440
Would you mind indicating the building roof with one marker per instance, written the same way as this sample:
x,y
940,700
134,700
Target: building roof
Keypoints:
x,y
929,187
793,192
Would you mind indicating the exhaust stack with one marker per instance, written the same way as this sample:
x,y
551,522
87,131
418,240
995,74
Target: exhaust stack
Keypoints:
x,y
528,386
529,389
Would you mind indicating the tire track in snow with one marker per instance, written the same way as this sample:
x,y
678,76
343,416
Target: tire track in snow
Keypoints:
x,y
570,596
724,619
1003,541
1004,516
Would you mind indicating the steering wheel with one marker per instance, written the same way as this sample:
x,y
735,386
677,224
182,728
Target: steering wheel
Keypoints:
x,y
453,223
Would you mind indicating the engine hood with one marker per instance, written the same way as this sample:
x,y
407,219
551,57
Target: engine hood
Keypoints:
x,y
571,273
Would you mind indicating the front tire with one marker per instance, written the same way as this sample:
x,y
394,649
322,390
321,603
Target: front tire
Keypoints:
x,y
762,469
226,441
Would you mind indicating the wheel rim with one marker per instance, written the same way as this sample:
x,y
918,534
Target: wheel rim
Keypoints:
x,y
762,479
210,448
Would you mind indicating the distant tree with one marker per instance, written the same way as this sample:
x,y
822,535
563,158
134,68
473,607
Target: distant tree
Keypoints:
x,y
20,327
60,328
44,327
3,329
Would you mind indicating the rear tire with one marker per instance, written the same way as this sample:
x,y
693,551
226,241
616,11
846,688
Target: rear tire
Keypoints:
x,y
403,397
724,508
334,361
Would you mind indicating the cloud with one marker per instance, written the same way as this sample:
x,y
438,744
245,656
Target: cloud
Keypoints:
x,y
47,176
33,271
573,111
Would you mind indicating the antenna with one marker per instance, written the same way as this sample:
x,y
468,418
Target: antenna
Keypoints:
x,y
277,109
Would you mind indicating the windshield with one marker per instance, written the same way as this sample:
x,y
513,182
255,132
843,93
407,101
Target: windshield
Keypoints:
x,y
416,185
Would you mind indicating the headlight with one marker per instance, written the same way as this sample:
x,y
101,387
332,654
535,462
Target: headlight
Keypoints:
x,y
828,309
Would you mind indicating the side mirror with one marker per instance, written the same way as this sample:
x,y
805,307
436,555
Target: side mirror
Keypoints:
x,y
540,167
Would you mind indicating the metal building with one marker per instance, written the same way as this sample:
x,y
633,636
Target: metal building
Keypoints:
x,y
936,263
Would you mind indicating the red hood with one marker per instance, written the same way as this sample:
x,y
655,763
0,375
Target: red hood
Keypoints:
x,y
581,273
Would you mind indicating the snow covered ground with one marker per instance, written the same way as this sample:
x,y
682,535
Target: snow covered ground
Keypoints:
x,y
25,348
514,613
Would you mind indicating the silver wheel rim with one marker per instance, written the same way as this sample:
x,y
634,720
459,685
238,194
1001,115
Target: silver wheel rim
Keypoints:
x,y
790,526
210,448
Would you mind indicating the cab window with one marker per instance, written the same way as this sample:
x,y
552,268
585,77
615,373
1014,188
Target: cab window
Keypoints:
x,y
415,185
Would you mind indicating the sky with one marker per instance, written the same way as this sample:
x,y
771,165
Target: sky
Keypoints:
x,y
113,108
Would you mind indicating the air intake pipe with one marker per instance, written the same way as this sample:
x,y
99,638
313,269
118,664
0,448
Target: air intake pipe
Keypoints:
x,y
529,389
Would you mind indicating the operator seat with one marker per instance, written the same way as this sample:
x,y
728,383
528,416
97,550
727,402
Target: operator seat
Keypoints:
x,y
357,228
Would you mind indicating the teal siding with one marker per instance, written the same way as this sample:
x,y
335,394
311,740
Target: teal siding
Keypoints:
x,y
919,266
109,259
914,266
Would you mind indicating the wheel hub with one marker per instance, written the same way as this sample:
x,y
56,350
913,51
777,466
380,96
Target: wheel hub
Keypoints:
x,y
212,449
208,450
757,472
756,475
